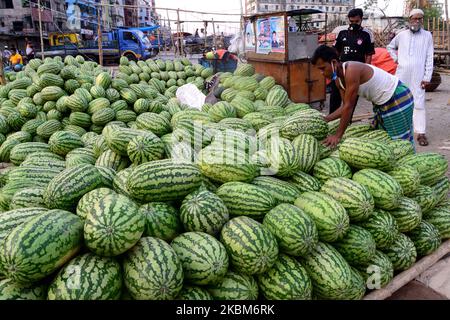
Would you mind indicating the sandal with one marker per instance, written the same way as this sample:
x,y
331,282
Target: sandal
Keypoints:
x,y
422,139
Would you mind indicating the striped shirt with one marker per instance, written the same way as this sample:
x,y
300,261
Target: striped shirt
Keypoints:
x,y
414,53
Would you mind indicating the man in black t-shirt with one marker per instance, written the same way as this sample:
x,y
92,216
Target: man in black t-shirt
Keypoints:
x,y
352,44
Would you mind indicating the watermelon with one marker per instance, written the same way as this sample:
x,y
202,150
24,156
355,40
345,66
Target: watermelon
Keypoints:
x,y
401,252
378,272
277,97
431,166
331,168
62,142
283,157
204,258
308,150
152,270
113,225
286,280
425,197
363,153
439,217
87,277
408,215
304,182
357,247
282,191
354,197
162,221
383,227
295,231
385,190
28,198
441,189
426,238
408,178
331,219
252,249
142,149
70,185
330,274
21,151
13,218
305,122
163,180
243,199
401,148
86,201
203,211
10,290
39,246
189,292
235,286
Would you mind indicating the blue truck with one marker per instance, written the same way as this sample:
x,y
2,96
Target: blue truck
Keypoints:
x,y
131,43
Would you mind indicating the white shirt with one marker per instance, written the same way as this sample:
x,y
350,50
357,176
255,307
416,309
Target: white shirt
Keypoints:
x,y
414,53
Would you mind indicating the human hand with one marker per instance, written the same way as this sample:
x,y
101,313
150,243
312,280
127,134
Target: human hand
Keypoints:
x,y
424,84
332,141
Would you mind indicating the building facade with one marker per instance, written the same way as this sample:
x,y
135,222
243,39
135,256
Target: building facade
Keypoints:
x,y
335,8
147,13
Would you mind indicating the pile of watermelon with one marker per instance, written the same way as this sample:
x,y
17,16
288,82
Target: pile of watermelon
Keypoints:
x,y
118,191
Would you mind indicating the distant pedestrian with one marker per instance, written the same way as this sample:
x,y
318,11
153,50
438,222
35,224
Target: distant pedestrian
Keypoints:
x,y
30,51
16,60
413,50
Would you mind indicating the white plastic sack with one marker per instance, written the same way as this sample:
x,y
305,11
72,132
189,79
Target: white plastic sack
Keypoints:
x,y
189,94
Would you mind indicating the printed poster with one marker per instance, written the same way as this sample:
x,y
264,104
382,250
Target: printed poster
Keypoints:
x,y
264,45
277,41
250,44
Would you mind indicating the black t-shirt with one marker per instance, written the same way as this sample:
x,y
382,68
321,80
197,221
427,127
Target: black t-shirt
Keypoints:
x,y
354,46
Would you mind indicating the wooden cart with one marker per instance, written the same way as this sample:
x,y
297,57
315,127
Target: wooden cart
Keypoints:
x,y
280,45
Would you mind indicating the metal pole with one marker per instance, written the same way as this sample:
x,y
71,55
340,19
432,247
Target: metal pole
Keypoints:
x,y
40,30
214,33
99,36
182,36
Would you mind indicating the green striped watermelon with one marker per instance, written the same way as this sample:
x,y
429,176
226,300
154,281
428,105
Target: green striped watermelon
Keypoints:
x,y
162,221
283,157
282,191
408,215
203,211
331,168
70,185
408,178
113,225
62,142
363,153
431,166
330,274
378,272
305,182
308,150
354,197
385,190
204,258
439,217
425,197
401,252
235,286
243,199
87,277
357,247
85,205
10,290
163,180
295,231
442,189
426,238
39,246
28,198
142,149
286,280
329,215
152,270
252,249
383,227
194,293
358,288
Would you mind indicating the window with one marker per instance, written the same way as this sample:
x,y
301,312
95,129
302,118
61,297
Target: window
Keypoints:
x,y
129,36
276,7
266,7
6,4
2,24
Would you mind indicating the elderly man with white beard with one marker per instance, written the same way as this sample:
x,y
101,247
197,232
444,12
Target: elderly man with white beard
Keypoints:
x,y
413,50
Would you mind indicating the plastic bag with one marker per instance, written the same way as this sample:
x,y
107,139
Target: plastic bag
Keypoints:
x,y
237,44
189,94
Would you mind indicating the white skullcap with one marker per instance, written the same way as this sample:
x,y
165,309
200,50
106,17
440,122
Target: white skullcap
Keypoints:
x,y
416,11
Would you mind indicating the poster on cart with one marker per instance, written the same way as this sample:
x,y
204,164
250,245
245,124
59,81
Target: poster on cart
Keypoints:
x,y
277,41
264,45
250,43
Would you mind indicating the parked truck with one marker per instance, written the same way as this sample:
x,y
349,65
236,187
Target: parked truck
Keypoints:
x,y
131,43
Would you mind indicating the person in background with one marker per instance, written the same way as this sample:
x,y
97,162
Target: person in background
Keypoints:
x,y
16,60
352,44
413,50
30,51
393,102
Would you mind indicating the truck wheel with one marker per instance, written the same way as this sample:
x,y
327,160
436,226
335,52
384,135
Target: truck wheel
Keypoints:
x,y
130,56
